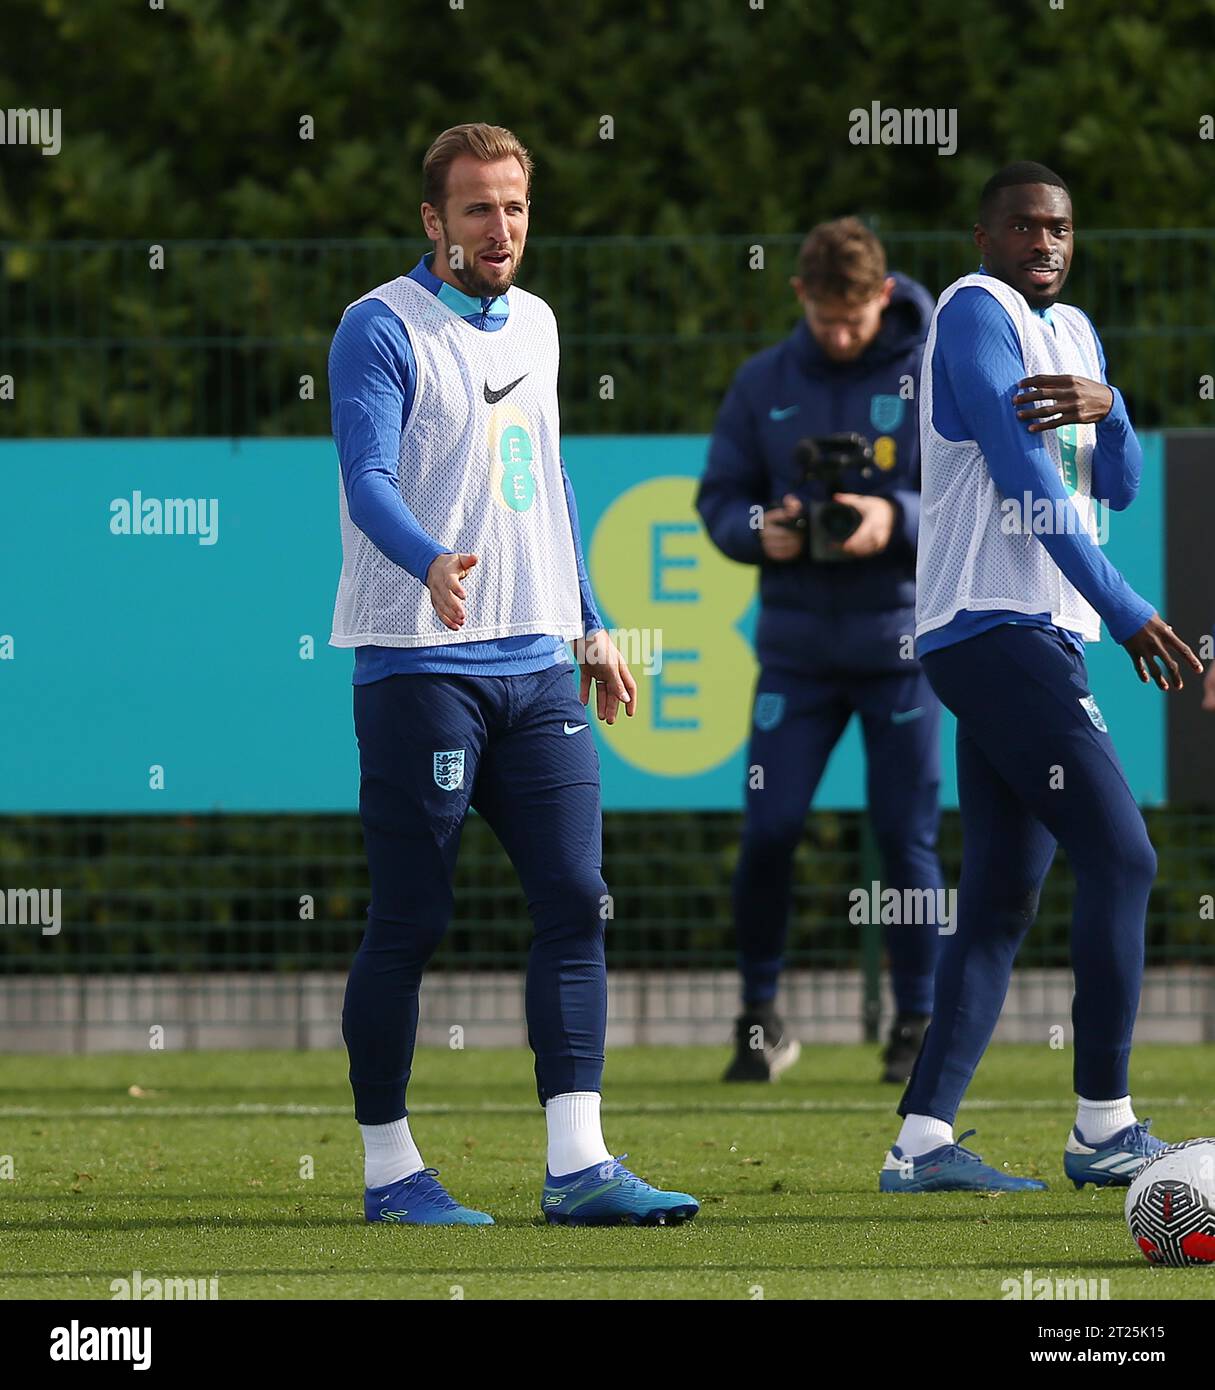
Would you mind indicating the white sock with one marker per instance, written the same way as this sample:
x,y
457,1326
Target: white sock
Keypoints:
x,y
921,1134
575,1140
1099,1120
389,1153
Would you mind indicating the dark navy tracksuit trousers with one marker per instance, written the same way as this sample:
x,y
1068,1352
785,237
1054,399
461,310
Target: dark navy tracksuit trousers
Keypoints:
x,y
1035,769
797,719
519,749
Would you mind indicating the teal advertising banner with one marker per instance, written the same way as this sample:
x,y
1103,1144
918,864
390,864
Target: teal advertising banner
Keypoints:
x,y
165,609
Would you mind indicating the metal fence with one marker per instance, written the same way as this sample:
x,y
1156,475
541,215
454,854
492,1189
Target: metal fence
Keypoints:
x,y
238,930
230,338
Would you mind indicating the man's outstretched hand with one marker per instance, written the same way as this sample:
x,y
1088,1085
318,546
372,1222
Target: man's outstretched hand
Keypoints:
x,y
614,683
1156,641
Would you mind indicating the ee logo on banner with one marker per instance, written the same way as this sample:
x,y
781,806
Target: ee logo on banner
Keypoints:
x,y
653,567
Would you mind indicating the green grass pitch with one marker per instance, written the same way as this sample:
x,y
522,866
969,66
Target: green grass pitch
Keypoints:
x,y
200,1177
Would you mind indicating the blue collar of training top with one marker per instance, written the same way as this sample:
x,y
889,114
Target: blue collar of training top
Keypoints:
x,y
1043,314
466,305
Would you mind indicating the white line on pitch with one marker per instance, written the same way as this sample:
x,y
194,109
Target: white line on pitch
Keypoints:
x,y
754,1107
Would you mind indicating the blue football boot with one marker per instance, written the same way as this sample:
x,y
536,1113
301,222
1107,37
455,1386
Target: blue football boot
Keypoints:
x,y
419,1200
1114,1163
607,1194
951,1168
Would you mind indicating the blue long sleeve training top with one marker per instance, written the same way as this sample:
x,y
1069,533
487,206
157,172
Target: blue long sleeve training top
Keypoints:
x,y
372,378
977,365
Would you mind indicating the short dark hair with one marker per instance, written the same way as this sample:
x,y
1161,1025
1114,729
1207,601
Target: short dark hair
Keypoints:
x,y
1023,171
842,260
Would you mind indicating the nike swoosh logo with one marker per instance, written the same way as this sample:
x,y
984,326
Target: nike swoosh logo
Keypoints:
x,y
784,414
576,1200
905,716
574,728
493,397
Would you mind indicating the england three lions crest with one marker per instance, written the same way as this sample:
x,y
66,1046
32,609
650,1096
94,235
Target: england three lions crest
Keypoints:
x,y
886,413
449,769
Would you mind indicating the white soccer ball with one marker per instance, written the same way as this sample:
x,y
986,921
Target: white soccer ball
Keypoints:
x,y
1170,1206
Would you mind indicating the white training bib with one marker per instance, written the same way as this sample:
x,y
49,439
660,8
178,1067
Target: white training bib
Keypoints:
x,y
480,469
968,556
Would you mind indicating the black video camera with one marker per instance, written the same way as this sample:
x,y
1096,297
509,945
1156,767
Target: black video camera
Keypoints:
x,y
825,461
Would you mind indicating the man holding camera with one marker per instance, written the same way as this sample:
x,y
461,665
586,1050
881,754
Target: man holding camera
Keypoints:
x,y
813,474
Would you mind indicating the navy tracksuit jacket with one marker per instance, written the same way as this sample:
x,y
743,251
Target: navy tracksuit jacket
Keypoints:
x,y
832,639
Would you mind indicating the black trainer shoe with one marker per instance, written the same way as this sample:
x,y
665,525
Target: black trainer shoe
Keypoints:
x,y
762,1049
906,1035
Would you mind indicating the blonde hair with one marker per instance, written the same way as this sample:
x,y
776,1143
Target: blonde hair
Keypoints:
x,y
484,142
842,260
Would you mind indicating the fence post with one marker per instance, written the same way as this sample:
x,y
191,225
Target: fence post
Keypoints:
x,y
871,941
